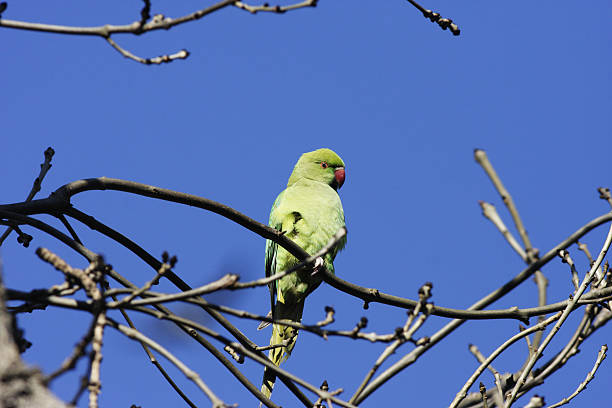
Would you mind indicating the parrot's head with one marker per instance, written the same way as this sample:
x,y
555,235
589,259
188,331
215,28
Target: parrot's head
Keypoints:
x,y
322,165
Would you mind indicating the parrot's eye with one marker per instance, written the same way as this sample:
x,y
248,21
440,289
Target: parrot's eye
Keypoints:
x,y
324,165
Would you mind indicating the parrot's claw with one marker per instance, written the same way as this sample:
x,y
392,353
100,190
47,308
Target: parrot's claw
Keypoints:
x,y
264,324
318,265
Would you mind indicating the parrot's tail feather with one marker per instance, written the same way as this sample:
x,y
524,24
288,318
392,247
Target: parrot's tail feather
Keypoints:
x,y
268,382
284,335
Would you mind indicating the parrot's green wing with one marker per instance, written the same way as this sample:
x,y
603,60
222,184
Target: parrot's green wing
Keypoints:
x,y
271,251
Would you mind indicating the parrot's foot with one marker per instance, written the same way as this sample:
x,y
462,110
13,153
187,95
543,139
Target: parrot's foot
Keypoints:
x,y
318,265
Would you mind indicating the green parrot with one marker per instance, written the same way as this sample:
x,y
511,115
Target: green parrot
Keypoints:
x,y
309,212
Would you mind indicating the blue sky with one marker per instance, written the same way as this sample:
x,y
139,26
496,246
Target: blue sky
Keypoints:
x,y
404,104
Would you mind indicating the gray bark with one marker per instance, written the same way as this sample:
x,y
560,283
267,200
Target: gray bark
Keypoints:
x,y
21,386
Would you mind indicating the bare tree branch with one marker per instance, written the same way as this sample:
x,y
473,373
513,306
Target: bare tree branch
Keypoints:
x,y
604,194
499,396
44,168
489,211
404,334
483,160
444,23
182,54
143,25
275,9
600,357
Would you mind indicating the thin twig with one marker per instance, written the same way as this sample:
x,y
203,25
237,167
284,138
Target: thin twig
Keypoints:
x,y
160,272
566,258
80,275
483,160
145,13
325,387
275,9
79,351
152,357
489,211
284,343
444,23
44,168
584,248
223,282
162,59
96,360
403,335
604,194
542,284
71,230
499,396
83,383
600,357
483,393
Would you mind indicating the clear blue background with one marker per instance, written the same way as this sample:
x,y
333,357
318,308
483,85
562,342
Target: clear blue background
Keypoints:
x,y
403,102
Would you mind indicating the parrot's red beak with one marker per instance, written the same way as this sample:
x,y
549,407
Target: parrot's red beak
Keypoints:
x,y
339,176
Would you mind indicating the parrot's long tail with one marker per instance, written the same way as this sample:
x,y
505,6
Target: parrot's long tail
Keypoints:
x,y
281,335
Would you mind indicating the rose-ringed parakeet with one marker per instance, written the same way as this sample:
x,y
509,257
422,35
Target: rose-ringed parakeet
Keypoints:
x,y
309,212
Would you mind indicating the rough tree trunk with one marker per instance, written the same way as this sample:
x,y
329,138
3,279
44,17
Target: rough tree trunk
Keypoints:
x,y
20,386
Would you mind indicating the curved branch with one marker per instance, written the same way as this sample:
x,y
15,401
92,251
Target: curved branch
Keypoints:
x,y
60,201
107,29
22,219
182,54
